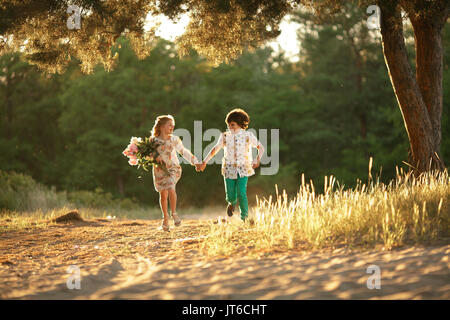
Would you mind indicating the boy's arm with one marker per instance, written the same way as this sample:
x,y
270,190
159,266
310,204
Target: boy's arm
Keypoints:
x,y
214,150
258,145
257,161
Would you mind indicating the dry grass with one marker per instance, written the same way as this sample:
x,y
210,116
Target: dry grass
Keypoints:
x,y
27,220
135,259
18,220
407,211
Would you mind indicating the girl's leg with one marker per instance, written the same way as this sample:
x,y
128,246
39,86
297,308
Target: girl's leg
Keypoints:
x,y
173,200
242,195
173,206
163,203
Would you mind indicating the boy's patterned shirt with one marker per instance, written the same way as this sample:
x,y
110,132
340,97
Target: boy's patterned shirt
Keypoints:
x,y
237,153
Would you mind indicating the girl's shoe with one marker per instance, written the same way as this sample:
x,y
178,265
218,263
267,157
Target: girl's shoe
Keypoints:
x,y
176,220
165,225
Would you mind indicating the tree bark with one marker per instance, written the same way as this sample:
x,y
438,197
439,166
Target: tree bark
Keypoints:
x,y
417,120
8,104
429,66
120,185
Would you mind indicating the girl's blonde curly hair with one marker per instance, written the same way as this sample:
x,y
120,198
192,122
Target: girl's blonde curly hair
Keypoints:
x,y
160,121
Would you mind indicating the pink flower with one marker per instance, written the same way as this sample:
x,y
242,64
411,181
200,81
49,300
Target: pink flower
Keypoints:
x,y
133,148
133,161
130,151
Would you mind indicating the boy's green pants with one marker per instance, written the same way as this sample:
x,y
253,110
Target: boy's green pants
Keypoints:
x,y
237,189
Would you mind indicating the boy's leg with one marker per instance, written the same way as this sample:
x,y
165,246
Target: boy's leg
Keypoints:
x,y
242,195
230,190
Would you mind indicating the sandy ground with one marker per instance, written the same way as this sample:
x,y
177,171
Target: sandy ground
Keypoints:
x,y
134,259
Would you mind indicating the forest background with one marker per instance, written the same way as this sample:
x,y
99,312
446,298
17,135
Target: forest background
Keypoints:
x,y
335,109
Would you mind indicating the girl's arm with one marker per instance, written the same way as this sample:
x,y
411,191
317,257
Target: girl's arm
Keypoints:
x,y
185,153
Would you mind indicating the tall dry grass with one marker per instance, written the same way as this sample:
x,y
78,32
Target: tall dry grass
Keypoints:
x,y
409,210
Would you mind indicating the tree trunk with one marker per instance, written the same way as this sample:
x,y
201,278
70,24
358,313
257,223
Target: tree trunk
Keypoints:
x,y
429,67
120,185
417,120
8,105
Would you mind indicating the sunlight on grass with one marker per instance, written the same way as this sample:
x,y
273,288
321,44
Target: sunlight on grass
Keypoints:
x,y
24,220
409,210
15,220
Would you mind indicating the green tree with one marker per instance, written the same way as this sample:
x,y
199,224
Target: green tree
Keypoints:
x,y
221,29
29,136
351,110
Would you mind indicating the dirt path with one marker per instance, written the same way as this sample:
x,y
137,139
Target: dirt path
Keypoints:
x,y
136,260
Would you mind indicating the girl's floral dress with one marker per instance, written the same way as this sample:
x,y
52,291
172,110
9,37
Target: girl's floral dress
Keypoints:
x,y
168,152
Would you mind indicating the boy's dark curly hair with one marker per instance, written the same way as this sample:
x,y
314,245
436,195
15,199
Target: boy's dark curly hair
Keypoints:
x,y
239,116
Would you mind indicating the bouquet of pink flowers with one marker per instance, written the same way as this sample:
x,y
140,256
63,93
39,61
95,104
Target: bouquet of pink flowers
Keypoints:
x,y
143,153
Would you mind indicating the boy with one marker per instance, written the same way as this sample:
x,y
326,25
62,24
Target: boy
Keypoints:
x,y
237,164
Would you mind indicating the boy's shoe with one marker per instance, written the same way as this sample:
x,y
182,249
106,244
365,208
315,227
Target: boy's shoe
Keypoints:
x,y
230,209
176,220
220,220
248,220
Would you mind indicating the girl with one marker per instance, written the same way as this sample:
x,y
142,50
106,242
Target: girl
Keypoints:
x,y
237,164
165,183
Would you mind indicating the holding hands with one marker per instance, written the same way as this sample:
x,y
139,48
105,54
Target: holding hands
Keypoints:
x,y
200,166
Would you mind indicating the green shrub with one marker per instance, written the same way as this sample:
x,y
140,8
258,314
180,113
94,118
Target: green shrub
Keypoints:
x,y
20,192
100,199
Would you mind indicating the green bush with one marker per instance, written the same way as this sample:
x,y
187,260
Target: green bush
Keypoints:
x,y
100,199
20,192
